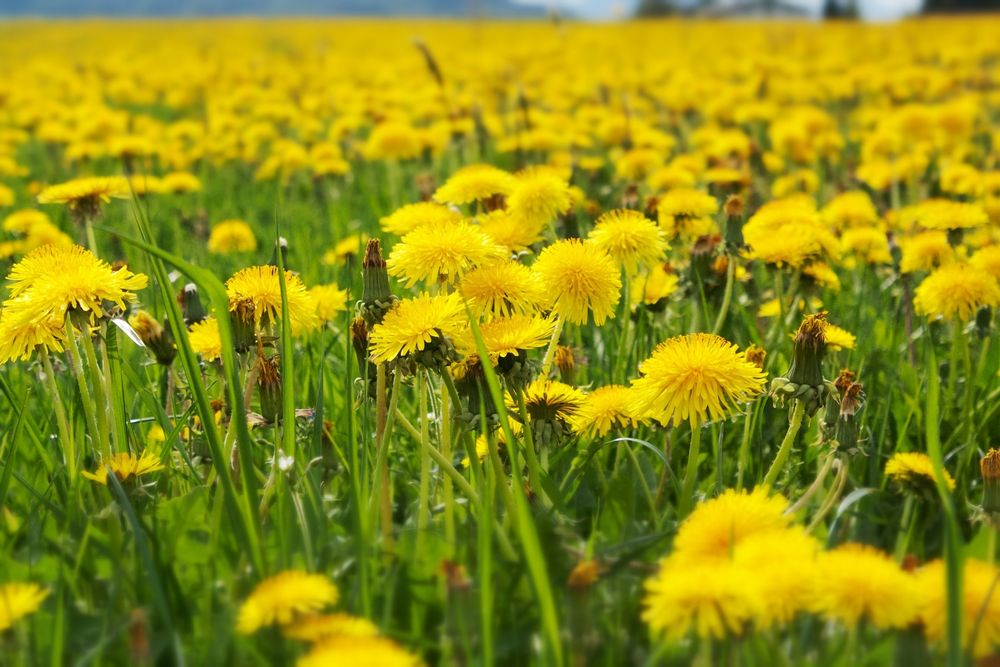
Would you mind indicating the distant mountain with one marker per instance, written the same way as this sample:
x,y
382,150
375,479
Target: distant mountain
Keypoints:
x,y
138,8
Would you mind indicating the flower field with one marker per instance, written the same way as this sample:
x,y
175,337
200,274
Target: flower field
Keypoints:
x,y
396,343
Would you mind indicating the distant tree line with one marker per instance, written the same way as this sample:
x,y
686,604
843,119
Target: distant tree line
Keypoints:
x,y
832,9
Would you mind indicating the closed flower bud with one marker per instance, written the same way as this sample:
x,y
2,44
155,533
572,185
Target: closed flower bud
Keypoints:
x,y
191,306
804,379
155,337
376,299
734,224
989,468
269,386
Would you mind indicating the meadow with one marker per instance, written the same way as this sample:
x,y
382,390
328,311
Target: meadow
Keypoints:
x,y
396,343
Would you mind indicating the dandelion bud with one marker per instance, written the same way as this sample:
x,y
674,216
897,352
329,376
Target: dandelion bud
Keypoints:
x,y
269,386
804,379
470,382
376,299
989,468
565,361
756,356
584,575
155,337
983,318
851,402
281,245
241,315
734,223
190,303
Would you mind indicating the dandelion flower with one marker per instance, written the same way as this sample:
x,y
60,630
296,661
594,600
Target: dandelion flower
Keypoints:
x,y
539,195
580,278
231,236
944,214
914,471
502,288
980,604
22,331
85,195
604,409
205,340
855,582
55,279
868,243
987,259
850,209
475,182
325,626
510,231
413,324
404,220
719,525
256,291
549,405
784,563
18,600
678,208
284,598
330,301
956,291
925,251
126,467
630,238
510,335
358,652
654,287
441,252
694,377
712,601
838,338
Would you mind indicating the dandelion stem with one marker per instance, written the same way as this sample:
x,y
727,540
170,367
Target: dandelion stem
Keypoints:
x,y
550,351
691,472
727,296
786,444
423,494
61,422
86,398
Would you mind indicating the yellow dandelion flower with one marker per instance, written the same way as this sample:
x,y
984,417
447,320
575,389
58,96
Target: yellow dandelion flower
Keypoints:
x,y
86,195
539,195
509,335
205,340
914,471
709,600
475,182
549,401
179,182
719,525
22,331
850,209
55,279
838,338
502,288
22,221
822,274
855,582
404,220
630,238
980,604
6,196
413,323
944,214
325,626
604,409
784,563
956,291
580,278
441,252
510,231
231,236
651,289
987,259
924,251
126,467
694,377
358,652
789,232
257,290
393,140
330,301
868,243
284,598
344,249
18,600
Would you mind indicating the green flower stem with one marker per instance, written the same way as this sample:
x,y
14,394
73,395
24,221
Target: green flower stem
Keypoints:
x,y
786,445
534,469
550,351
691,473
444,462
744,454
86,397
727,296
423,495
907,524
61,422
98,388
448,485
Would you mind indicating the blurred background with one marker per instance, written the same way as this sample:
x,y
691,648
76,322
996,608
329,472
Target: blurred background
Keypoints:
x,y
593,10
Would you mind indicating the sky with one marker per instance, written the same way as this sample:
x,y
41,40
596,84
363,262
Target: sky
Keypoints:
x,y
875,10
